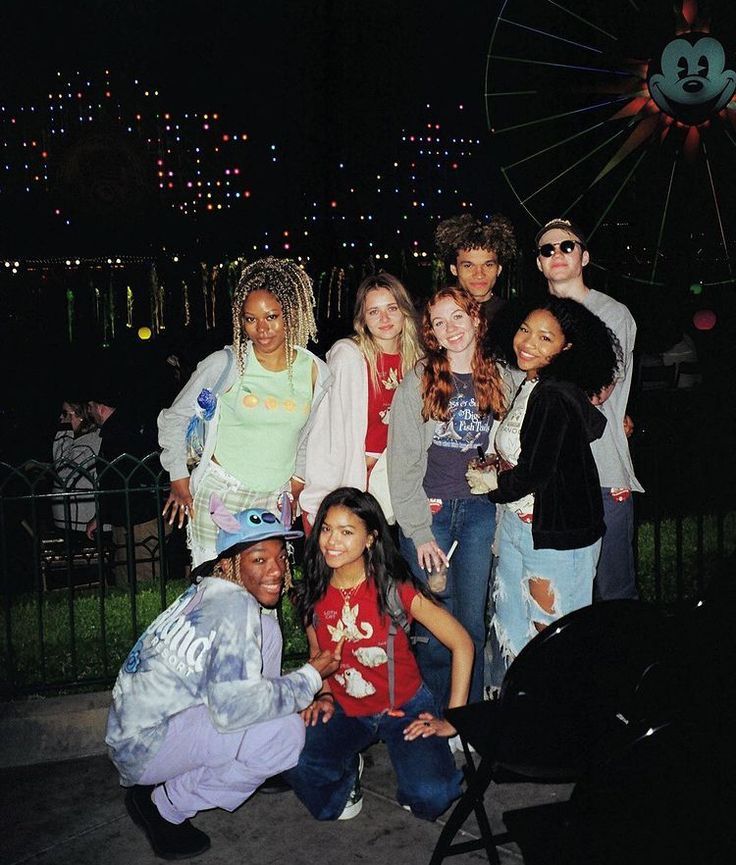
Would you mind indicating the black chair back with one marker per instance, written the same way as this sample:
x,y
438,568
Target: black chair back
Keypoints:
x,y
572,690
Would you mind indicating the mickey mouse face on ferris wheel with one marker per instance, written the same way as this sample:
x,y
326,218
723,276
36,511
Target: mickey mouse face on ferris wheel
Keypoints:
x,y
692,83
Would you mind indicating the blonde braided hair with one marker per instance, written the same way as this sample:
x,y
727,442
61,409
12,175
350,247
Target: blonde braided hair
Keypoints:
x,y
289,283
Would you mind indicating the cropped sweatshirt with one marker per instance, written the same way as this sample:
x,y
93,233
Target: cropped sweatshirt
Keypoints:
x,y
557,465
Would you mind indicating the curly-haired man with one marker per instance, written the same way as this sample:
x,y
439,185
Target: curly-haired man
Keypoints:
x,y
475,253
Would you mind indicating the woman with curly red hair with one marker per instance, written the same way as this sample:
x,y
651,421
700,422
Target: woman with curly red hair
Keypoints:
x,y
442,413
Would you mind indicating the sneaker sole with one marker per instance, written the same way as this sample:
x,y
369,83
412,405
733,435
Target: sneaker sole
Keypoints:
x,y
350,811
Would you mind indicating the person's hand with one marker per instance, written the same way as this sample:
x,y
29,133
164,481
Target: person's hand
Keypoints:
x,y
628,426
327,662
323,704
427,725
179,503
91,528
481,481
620,494
297,485
430,556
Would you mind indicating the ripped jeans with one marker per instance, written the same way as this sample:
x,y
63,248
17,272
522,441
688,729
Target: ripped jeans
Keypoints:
x,y
532,588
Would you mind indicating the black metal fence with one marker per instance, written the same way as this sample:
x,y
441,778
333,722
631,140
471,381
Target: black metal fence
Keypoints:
x,y
72,606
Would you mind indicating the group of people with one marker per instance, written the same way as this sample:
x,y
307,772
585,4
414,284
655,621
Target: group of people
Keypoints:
x,y
505,466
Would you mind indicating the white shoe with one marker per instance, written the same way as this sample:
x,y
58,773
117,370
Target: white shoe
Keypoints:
x,y
456,745
355,800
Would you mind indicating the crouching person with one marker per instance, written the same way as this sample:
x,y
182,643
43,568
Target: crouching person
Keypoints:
x,y
201,714
357,591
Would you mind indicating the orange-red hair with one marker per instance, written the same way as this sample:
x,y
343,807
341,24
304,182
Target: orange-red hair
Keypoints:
x,y
437,382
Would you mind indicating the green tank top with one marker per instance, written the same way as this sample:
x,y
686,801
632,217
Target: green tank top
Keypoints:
x,y
261,417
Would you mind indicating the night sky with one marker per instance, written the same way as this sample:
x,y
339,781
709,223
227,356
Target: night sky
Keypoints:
x,y
322,79
327,81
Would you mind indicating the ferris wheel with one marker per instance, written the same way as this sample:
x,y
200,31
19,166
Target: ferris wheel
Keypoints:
x,y
620,115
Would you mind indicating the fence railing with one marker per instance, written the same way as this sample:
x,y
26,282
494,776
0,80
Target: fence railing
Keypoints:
x,y
72,607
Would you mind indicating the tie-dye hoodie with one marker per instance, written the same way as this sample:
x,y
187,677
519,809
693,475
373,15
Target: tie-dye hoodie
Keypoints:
x,y
204,649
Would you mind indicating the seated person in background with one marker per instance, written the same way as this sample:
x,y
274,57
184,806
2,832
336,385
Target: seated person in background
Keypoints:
x,y
75,448
123,431
201,714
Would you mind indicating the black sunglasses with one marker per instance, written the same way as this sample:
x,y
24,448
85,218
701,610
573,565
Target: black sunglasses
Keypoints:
x,y
547,250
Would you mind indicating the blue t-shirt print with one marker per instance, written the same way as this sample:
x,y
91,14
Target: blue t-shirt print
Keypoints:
x,y
455,443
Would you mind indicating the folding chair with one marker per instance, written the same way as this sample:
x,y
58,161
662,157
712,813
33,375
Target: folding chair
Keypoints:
x,y
568,699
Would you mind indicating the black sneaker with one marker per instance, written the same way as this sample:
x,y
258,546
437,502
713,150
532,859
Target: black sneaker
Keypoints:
x,y
355,799
168,840
274,784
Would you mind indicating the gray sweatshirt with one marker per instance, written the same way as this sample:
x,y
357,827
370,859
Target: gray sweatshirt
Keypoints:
x,y
409,438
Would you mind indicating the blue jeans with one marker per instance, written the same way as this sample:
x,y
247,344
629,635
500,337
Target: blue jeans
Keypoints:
x,y
428,780
472,522
616,574
518,617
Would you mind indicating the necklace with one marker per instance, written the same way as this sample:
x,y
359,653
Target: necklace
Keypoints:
x,y
348,592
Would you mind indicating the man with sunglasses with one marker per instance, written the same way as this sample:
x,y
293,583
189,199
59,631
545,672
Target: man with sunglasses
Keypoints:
x,y
561,256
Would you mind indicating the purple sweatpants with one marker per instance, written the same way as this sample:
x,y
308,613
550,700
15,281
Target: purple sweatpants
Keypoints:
x,y
204,768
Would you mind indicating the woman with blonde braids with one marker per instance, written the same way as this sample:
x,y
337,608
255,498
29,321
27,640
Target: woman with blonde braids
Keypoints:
x,y
351,427
441,417
268,387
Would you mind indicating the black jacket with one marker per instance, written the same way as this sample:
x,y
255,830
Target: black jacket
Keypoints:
x,y
556,464
126,440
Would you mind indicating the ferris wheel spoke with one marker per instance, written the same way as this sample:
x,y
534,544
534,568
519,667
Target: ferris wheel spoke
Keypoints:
x,y
550,35
557,144
717,207
655,257
572,117
613,199
550,117
575,164
583,20
604,70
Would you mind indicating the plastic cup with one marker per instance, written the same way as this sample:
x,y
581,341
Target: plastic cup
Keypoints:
x,y
437,579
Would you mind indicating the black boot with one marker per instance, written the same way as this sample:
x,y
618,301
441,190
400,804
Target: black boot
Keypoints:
x,y
169,840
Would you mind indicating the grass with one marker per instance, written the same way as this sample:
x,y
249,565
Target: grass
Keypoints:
x,y
57,642
51,651
662,579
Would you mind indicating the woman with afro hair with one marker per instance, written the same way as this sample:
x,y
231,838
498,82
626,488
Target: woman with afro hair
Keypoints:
x,y
551,514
